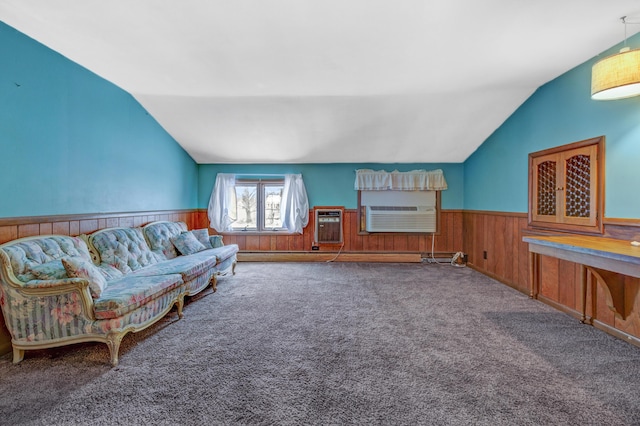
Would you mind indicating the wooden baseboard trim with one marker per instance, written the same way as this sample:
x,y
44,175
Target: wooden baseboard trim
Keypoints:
x,y
571,312
597,324
328,256
616,333
499,278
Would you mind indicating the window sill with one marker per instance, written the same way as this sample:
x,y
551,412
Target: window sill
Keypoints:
x,y
237,233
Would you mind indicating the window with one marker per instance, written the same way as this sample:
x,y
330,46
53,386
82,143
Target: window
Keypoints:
x,y
566,187
257,206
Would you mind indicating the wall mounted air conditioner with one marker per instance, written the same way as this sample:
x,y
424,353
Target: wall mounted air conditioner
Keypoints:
x,y
401,219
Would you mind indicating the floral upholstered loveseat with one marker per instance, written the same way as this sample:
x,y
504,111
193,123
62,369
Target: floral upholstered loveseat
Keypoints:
x,y
53,293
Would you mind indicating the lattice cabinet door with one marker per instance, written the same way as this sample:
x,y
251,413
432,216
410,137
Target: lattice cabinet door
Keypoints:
x,y
566,186
545,188
579,186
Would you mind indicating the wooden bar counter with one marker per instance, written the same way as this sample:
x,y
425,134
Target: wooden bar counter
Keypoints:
x,y
605,258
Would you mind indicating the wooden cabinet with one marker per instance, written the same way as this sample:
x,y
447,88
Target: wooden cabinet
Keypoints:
x,y
566,187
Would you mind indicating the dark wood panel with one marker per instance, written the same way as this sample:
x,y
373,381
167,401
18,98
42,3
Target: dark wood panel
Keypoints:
x,y
498,255
568,279
13,228
252,243
28,230
157,215
629,232
549,278
603,312
46,229
632,324
449,240
523,258
282,243
8,233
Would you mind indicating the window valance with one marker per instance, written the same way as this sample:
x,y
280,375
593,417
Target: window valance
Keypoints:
x,y
415,180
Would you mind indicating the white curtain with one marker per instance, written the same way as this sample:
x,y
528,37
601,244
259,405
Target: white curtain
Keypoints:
x,y
415,180
222,198
294,208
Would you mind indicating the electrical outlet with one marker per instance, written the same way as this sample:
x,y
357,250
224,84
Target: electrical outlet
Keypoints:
x,y
484,255
315,248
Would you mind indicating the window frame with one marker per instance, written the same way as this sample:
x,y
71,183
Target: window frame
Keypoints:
x,y
260,185
594,223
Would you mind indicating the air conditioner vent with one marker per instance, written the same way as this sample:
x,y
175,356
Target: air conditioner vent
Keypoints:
x,y
401,219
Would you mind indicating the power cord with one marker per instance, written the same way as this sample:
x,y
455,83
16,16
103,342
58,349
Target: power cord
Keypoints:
x,y
336,256
454,259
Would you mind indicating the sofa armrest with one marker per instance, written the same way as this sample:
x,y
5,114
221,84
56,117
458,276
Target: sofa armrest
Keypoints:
x,y
38,293
216,241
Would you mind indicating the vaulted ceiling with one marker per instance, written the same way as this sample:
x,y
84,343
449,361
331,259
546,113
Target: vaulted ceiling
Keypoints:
x,y
303,81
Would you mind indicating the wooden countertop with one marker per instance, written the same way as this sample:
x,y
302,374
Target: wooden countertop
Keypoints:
x,y
620,250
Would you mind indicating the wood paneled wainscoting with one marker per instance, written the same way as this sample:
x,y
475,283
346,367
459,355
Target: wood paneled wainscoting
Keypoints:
x,y
494,246
383,247
12,228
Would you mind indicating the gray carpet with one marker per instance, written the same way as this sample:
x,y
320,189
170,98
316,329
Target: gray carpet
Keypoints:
x,y
340,343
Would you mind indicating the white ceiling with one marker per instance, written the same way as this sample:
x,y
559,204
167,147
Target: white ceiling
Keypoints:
x,y
303,81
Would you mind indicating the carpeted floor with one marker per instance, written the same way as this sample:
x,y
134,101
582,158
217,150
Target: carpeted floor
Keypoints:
x,y
340,343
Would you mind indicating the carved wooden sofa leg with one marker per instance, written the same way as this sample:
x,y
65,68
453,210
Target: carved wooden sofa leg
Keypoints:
x,y
113,342
214,282
180,306
18,355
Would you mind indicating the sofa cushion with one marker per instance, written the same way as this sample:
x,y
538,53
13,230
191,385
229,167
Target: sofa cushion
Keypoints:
x,y
123,248
159,236
224,252
186,243
203,236
77,267
190,267
132,291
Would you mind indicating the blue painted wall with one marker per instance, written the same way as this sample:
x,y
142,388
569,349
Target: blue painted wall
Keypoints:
x,y
558,113
332,184
71,142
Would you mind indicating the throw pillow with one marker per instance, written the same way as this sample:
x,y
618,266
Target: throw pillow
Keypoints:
x,y
53,270
187,243
203,236
78,267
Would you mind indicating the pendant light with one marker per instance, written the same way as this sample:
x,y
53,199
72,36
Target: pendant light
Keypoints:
x,y
617,76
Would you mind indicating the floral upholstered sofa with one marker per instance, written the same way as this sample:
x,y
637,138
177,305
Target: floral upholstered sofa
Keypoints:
x,y
56,290
152,250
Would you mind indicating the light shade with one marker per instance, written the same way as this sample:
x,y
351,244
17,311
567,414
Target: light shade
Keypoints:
x,y
617,76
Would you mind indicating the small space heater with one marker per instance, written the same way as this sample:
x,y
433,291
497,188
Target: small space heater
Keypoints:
x,y
328,225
